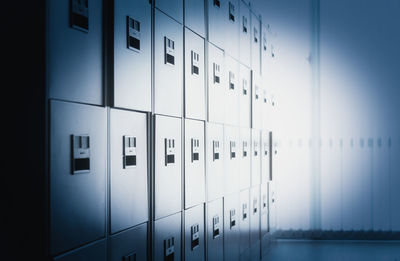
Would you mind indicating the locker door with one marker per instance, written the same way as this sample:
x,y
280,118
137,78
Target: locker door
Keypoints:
x,y
173,8
244,155
75,50
216,84
128,169
194,233
132,55
266,117
195,93
130,244
244,222
255,223
231,227
244,34
167,176
195,16
255,44
215,230
215,160
255,157
78,145
264,209
167,238
265,50
232,149
95,251
194,163
232,88
265,156
231,27
256,121
394,144
216,14
244,92
168,66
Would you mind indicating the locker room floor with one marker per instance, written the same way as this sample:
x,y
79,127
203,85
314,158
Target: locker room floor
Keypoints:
x,y
301,250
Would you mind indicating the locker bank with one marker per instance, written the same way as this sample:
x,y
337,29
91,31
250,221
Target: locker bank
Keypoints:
x,y
202,130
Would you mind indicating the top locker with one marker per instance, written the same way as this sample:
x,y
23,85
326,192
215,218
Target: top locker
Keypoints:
x,y
255,44
216,22
74,50
231,28
172,8
132,55
195,16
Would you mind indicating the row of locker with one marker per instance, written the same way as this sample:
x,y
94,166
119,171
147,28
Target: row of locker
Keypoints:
x,y
224,159
184,61
231,228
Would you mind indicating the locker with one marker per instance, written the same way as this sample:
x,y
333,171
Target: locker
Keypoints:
x,y
194,163
167,238
245,256
256,150
266,117
129,245
167,169
265,244
216,84
264,209
272,222
255,44
244,34
173,8
266,50
195,16
232,91
195,92
216,22
128,169
215,160
244,222
132,55
232,149
94,251
244,92
215,230
244,156
78,146
231,227
75,50
168,65
231,28
255,223
265,156
256,97
194,233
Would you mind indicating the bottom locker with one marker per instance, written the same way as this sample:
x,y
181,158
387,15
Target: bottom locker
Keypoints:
x,y
194,233
94,251
167,238
244,224
215,228
255,223
231,227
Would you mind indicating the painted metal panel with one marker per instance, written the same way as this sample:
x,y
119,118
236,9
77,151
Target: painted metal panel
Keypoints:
x,y
244,92
255,44
265,156
215,230
231,27
167,238
244,221
244,154
256,97
194,233
95,251
173,8
244,34
130,244
195,16
264,202
256,150
231,227
232,91
216,15
232,149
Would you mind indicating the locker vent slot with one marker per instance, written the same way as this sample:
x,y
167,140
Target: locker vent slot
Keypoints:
x,y
255,35
216,69
244,24
215,150
133,34
195,236
231,12
244,149
169,50
80,154
169,249
129,257
129,152
215,227
233,150
195,63
231,80
244,217
255,206
79,15
232,222
195,144
217,3
244,87
169,151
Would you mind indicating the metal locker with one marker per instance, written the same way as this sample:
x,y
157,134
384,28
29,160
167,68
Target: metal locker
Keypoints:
x,y
94,251
231,227
254,215
272,224
195,16
265,156
216,22
244,155
129,245
256,97
256,150
244,221
264,209
215,230
266,50
128,169
215,160
231,27
167,238
168,65
194,233
216,84
266,120
194,163
78,147
195,92
173,8
232,88
132,55
244,92
232,149
75,50
167,169
244,34
255,44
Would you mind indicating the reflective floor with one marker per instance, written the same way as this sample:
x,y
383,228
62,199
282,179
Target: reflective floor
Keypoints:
x,y
300,250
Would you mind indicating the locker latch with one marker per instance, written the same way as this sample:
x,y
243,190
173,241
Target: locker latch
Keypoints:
x,y
169,249
231,12
129,257
79,15
80,147
264,96
233,149
244,87
264,201
215,226
215,150
264,41
217,3
232,214
195,236
195,149
266,147
255,35
217,72
244,149
255,148
169,50
256,91
244,24
195,63
254,205
133,34
244,209
169,151
231,80
129,152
